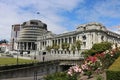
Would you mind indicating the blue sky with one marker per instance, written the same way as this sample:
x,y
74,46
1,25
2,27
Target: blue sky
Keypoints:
x,y
60,15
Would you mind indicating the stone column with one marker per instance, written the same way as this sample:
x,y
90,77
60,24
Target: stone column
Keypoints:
x,y
23,45
60,44
71,39
31,46
68,40
26,45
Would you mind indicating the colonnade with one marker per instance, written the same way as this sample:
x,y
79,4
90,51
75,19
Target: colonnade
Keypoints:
x,y
58,41
26,46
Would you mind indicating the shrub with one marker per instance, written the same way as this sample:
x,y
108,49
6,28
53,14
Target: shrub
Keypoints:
x,y
101,47
113,73
60,76
78,44
98,48
48,48
65,46
99,77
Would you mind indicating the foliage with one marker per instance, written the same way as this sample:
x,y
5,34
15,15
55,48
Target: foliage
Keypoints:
x,y
98,48
48,48
99,77
55,46
101,47
65,46
114,71
88,53
113,75
96,63
78,44
3,41
73,47
59,76
108,57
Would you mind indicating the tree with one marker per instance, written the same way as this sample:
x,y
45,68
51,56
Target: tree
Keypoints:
x,y
73,47
48,48
3,41
65,46
55,46
98,48
101,47
78,44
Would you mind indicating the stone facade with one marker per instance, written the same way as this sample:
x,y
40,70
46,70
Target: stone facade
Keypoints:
x,y
35,36
14,35
89,34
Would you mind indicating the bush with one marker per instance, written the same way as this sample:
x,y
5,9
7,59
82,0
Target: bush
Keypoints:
x,y
57,76
113,73
98,48
101,47
99,77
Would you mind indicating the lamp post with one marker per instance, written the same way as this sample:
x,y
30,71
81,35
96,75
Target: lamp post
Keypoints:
x,y
17,56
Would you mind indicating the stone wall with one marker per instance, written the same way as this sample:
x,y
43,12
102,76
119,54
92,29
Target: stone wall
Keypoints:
x,y
59,55
42,69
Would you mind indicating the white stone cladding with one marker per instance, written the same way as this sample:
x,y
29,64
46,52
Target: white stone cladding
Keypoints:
x,y
35,36
89,34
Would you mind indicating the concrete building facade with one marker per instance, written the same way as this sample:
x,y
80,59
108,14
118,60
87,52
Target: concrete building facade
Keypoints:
x,y
35,36
14,35
29,32
88,34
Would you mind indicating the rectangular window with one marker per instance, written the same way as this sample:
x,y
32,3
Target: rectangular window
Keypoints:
x,y
84,44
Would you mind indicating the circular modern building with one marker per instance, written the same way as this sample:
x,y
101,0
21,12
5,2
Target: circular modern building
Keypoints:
x,y
29,32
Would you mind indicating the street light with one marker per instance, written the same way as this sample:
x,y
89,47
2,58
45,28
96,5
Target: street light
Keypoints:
x,y
17,56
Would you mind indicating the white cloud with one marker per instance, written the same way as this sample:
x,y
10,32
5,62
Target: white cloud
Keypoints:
x,y
110,8
102,8
18,11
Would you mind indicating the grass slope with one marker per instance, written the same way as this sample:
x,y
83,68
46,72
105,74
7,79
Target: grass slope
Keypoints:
x,y
12,61
116,65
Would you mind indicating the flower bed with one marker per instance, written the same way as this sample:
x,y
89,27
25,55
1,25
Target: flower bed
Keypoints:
x,y
96,63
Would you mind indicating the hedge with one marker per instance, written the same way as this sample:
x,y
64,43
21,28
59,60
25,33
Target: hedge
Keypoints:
x,y
113,72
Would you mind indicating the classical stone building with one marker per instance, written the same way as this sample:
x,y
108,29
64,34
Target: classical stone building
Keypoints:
x,y
35,36
88,34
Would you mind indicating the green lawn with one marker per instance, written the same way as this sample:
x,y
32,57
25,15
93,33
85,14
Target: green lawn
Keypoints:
x,y
12,61
116,65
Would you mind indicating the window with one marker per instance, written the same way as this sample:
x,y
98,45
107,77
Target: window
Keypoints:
x,y
84,28
84,44
102,38
84,37
34,23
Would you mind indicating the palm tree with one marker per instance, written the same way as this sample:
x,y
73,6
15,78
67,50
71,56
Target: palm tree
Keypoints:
x,y
78,44
65,46
48,48
55,46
